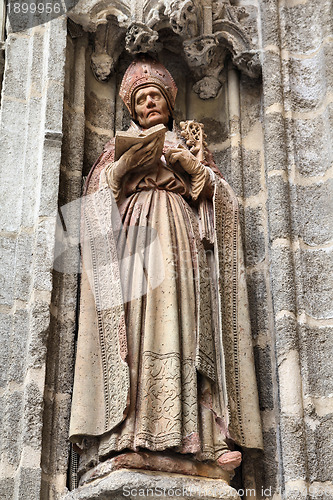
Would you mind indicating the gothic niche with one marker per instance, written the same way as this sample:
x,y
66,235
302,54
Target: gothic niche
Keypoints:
x,y
208,33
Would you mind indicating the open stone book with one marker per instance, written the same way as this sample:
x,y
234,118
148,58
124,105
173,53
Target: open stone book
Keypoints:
x,y
125,140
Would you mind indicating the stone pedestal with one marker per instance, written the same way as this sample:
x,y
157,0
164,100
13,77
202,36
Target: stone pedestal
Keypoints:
x,y
122,484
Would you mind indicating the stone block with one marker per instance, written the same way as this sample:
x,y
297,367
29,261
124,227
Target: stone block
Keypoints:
x,y
61,355
328,53
33,416
19,338
293,445
320,451
314,213
308,86
120,484
24,258
269,25
251,172
73,140
7,270
263,364
270,459
100,111
6,325
54,106
44,254
275,142
39,328
49,189
29,484
17,66
13,413
250,102
282,279
259,310
313,145
300,36
271,74
316,354
254,241
278,207
7,488
286,336
317,272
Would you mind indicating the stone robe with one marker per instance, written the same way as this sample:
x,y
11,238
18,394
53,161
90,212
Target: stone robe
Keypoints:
x,y
164,355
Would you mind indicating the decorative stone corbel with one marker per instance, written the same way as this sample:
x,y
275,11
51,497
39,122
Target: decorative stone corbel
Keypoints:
x,y
109,44
140,38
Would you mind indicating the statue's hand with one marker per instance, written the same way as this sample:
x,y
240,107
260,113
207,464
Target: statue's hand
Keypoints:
x,y
138,156
187,160
191,165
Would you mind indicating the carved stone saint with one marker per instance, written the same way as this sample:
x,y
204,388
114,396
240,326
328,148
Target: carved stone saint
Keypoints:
x,y
164,375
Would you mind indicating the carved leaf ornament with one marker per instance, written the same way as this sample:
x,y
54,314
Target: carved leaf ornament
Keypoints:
x,y
210,32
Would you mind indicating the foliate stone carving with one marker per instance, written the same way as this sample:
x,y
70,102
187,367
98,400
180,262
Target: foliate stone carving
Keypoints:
x,y
210,31
183,16
140,38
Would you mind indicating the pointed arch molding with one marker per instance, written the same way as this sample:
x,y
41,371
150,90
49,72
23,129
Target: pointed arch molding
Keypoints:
x,y
209,32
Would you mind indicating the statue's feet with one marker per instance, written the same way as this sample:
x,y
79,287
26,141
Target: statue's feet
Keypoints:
x,y
230,460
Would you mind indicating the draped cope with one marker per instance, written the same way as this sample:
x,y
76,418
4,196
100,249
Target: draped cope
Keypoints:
x,y
164,353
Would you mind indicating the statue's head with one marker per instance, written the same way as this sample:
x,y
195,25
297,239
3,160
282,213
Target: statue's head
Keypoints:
x,y
149,92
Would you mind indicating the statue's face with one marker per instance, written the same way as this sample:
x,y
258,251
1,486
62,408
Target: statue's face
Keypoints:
x,y
151,107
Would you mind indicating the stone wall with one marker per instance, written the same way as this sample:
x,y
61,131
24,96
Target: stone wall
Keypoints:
x,y
270,138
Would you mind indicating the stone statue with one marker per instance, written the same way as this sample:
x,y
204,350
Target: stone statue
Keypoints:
x,y
164,362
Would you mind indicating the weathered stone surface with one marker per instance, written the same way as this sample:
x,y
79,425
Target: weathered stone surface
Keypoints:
x,y
263,364
13,411
286,336
317,348
17,364
320,450
100,112
6,324
275,139
292,440
313,145
282,279
250,103
306,81
33,413
270,459
271,74
269,28
251,172
254,236
305,37
24,260
129,483
317,285
29,484
7,270
259,307
44,254
6,488
39,325
314,213
278,207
